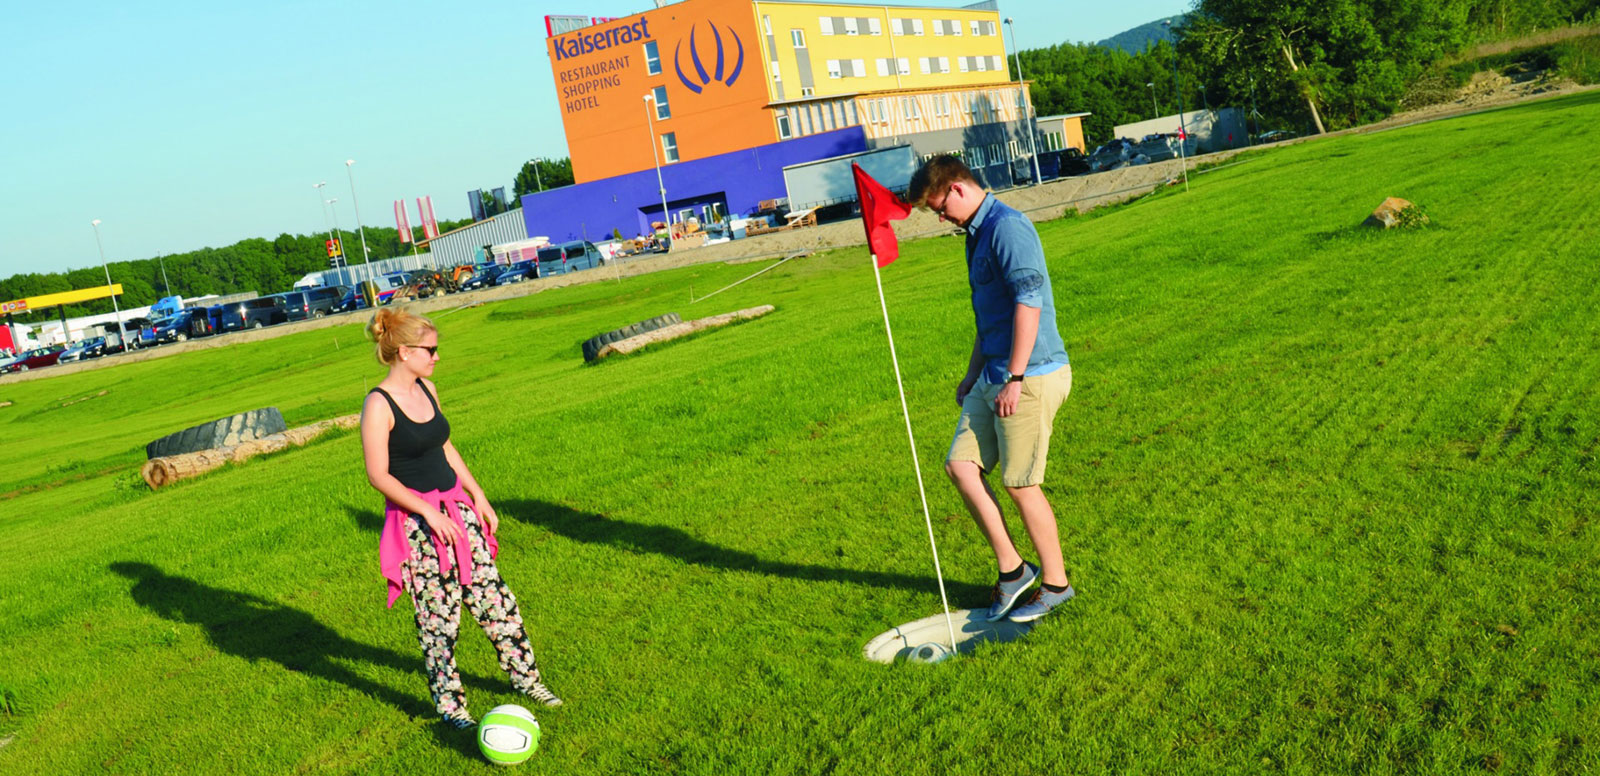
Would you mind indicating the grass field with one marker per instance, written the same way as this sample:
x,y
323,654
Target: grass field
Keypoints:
x,y
1329,496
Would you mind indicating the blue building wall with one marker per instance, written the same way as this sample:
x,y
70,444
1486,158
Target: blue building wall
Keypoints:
x,y
737,181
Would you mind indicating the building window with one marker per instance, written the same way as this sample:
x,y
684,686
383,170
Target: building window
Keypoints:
x,y
798,37
916,27
827,117
850,113
975,27
669,147
850,26
994,63
652,58
805,121
825,23
904,65
883,67
660,95
833,68
874,26
766,24
807,91
1015,147
975,156
784,132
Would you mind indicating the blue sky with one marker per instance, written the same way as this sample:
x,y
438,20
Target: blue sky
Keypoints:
x,y
184,124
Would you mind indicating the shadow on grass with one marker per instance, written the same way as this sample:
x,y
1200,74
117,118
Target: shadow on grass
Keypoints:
x,y
254,628
673,543
365,519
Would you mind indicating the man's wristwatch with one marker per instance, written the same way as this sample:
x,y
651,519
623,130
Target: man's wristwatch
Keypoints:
x,y
1011,378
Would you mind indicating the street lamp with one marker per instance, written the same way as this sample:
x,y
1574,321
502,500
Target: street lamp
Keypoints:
x,y
343,263
1155,112
356,203
1027,105
122,334
1183,125
650,119
536,179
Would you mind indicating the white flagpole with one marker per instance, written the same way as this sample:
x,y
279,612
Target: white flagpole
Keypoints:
x,y
915,464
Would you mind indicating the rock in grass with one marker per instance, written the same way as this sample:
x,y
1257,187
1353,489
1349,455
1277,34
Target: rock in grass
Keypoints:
x,y
1396,212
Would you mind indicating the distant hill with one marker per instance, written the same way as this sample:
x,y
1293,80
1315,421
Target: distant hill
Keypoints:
x,y
1135,40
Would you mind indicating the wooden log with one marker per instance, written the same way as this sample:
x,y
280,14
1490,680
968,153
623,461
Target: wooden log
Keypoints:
x,y
677,330
158,472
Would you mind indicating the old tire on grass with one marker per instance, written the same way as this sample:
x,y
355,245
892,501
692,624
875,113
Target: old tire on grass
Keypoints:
x,y
592,346
219,433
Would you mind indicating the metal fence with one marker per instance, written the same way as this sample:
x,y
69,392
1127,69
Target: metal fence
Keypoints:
x,y
356,273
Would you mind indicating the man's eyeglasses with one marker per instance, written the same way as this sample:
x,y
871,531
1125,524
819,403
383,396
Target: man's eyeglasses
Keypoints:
x,y
433,350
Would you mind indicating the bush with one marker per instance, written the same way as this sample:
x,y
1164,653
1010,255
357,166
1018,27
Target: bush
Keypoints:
x,y
1579,59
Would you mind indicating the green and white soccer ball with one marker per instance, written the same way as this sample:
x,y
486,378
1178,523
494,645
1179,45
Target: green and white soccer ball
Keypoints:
x,y
508,735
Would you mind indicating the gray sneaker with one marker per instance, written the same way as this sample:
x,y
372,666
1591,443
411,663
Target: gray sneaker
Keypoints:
x,y
1041,603
542,694
1005,594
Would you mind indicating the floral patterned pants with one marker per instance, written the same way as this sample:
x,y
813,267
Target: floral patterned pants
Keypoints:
x,y
437,599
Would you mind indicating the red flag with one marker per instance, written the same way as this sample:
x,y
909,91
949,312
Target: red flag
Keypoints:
x,y
402,220
879,206
430,227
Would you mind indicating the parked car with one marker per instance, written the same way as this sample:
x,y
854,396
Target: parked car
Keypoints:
x,y
214,314
568,257
302,304
1073,162
33,359
1273,136
516,273
482,276
194,322
93,347
1111,155
253,313
352,300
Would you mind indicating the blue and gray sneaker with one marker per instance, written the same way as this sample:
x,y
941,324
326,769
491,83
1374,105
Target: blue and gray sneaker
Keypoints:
x,y
1005,594
1041,603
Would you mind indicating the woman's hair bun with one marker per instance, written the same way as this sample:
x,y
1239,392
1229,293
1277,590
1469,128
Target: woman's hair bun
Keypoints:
x,y
391,329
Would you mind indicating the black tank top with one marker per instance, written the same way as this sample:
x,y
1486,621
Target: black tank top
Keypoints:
x,y
416,450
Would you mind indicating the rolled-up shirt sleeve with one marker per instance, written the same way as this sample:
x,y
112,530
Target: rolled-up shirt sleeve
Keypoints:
x,y
1020,259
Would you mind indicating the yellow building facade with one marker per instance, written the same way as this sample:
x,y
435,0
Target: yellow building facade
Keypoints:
x,y
828,49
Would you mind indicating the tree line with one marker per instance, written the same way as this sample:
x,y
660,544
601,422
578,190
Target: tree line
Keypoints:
x,y
1308,67
254,264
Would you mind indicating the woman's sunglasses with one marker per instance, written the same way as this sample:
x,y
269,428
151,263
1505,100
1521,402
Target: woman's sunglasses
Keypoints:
x,y
433,350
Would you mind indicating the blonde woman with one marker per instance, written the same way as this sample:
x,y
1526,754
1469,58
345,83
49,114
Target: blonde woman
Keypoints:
x,y
438,539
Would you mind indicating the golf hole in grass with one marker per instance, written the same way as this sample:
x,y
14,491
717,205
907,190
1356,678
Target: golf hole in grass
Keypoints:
x,y
927,640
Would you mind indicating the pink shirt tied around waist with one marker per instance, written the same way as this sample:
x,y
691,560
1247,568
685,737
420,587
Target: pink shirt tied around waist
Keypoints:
x,y
394,550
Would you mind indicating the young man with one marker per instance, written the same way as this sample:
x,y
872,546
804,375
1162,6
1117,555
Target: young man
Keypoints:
x,y
1016,379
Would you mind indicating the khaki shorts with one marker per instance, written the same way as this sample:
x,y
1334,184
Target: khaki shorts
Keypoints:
x,y
1018,443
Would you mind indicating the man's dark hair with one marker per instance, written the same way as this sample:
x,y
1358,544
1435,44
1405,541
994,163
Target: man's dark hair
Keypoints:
x,y
934,178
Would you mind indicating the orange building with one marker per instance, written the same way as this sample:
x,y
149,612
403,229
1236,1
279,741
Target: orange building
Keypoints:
x,y
701,63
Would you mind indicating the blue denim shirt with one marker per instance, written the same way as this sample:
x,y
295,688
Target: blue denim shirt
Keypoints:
x,y
1005,267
